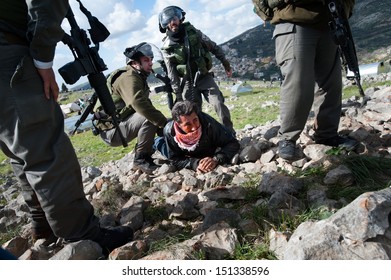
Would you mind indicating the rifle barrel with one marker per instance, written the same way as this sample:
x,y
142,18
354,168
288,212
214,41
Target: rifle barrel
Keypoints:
x,y
342,35
88,62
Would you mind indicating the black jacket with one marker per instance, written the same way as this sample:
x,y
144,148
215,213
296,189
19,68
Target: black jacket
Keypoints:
x,y
216,141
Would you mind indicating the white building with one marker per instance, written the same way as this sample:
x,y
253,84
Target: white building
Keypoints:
x,y
372,69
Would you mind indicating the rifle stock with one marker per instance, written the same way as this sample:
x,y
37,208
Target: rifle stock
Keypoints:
x,y
88,62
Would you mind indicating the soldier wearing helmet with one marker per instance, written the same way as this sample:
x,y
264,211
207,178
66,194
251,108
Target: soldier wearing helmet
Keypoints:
x,y
136,52
187,55
139,117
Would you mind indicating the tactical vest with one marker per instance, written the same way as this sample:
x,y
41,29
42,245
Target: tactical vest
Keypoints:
x,y
105,122
200,57
266,9
263,10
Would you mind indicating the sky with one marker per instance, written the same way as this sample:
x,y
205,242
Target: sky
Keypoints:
x,y
133,21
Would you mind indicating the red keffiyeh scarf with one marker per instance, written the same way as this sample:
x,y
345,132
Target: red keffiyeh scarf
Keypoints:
x,y
187,141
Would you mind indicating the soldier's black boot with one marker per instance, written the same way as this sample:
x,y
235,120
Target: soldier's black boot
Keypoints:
x,y
111,238
144,162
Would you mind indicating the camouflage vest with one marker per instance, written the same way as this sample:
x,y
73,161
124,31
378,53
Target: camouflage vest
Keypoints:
x,y
200,58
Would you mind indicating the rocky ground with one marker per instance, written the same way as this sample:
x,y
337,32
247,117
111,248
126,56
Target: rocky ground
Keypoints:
x,y
253,201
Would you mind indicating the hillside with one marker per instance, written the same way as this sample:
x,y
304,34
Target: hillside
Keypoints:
x,y
371,25
253,51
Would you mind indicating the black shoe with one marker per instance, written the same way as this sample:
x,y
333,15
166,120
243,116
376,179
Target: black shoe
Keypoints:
x,y
144,166
144,163
340,142
46,241
41,233
111,238
287,149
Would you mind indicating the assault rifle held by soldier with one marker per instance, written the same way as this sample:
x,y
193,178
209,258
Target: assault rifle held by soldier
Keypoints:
x,y
167,85
88,62
87,110
342,36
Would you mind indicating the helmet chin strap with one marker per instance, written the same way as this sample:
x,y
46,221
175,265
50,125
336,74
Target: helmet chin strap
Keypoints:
x,y
136,65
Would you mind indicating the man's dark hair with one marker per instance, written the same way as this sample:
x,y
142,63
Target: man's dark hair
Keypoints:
x,y
183,108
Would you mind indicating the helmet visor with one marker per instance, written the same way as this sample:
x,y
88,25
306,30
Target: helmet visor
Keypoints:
x,y
143,49
146,50
168,15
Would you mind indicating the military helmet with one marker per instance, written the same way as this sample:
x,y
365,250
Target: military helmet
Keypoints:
x,y
143,49
137,51
167,15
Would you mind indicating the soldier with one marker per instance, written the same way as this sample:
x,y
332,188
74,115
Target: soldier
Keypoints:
x,y
187,54
139,118
311,69
32,127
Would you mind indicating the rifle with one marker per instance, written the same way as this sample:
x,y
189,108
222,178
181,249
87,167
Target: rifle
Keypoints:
x,y
189,74
342,36
88,62
87,110
167,85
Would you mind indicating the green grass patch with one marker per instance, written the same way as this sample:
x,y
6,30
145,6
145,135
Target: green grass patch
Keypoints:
x,y
289,223
92,151
373,172
258,214
250,251
9,234
155,214
370,174
317,171
69,97
5,168
164,243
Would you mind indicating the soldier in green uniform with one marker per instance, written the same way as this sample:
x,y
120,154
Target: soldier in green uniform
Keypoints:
x,y
187,54
32,127
139,117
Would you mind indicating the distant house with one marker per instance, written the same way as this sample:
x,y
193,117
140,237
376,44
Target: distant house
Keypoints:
x,y
69,108
372,69
258,75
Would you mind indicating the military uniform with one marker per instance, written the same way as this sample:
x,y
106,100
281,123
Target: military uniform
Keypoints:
x,y
32,127
182,67
309,62
139,118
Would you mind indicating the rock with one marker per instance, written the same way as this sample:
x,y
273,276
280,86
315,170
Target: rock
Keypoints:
x,y
359,231
204,213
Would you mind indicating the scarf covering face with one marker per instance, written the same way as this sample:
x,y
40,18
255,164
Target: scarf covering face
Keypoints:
x,y
187,141
177,37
